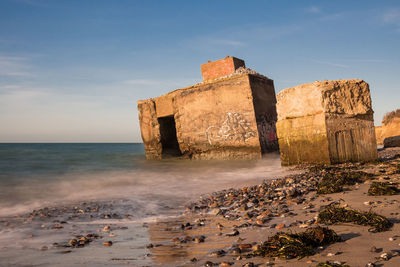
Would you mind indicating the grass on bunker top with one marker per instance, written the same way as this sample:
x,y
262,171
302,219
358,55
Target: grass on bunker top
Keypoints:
x,y
333,213
296,245
383,189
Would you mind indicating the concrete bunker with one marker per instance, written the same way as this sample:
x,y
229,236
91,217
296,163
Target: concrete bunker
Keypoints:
x,y
230,115
326,122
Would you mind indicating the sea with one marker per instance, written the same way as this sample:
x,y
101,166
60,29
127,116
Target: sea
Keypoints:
x,y
38,175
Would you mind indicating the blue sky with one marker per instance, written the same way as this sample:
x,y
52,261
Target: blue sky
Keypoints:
x,y
73,70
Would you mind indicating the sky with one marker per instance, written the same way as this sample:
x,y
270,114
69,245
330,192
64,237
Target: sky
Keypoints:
x,y
73,70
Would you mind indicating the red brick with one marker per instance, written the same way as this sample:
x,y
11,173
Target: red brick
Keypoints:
x,y
220,68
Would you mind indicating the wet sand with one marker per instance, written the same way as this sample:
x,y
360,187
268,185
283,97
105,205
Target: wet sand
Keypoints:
x,y
175,245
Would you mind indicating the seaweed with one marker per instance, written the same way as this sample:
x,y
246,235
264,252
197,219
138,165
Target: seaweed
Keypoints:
x,y
332,214
331,264
383,189
296,245
334,182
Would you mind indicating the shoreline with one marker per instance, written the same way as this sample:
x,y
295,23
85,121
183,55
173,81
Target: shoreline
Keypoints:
x,y
208,235
220,231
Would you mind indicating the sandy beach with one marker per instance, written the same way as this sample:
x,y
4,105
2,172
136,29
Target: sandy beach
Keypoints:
x,y
203,238
224,228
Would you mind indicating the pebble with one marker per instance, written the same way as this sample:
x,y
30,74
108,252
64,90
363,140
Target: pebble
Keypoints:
x,y
106,228
249,264
245,246
330,254
225,264
391,239
370,264
43,248
280,226
208,264
234,233
108,243
218,253
374,249
385,256
199,239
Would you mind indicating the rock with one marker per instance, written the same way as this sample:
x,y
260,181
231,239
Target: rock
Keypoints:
x,y
215,211
245,246
330,254
73,242
218,253
249,264
208,264
370,264
376,250
280,226
106,228
193,259
225,264
149,245
108,243
43,248
199,239
236,251
385,256
234,233
393,141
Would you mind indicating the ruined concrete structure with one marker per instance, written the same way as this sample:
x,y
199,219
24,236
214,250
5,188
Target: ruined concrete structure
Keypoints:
x,y
231,114
326,122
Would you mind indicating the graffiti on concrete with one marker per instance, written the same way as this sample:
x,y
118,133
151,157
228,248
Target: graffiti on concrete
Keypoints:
x,y
235,127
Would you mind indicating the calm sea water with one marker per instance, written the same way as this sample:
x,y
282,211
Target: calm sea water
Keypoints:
x,y
35,175
117,176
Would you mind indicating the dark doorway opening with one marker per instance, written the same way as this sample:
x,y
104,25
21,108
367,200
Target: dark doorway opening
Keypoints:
x,y
169,142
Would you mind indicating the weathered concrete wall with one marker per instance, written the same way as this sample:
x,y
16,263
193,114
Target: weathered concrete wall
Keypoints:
x,y
326,122
351,139
217,120
150,129
264,102
220,68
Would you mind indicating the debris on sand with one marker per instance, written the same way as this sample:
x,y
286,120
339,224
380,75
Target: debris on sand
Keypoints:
x,y
333,213
334,180
331,264
383,189
288,245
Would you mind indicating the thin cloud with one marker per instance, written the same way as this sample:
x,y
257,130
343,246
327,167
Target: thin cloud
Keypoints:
x,y
313,9
14,66
227,42
392,17
330,63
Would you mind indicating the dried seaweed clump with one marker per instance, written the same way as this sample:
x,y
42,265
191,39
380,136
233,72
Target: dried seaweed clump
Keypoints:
x,y
333,182
383,189
299,245
332,214
331,264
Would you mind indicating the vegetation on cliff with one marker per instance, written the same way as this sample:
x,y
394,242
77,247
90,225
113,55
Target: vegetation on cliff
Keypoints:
x,y
388,117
